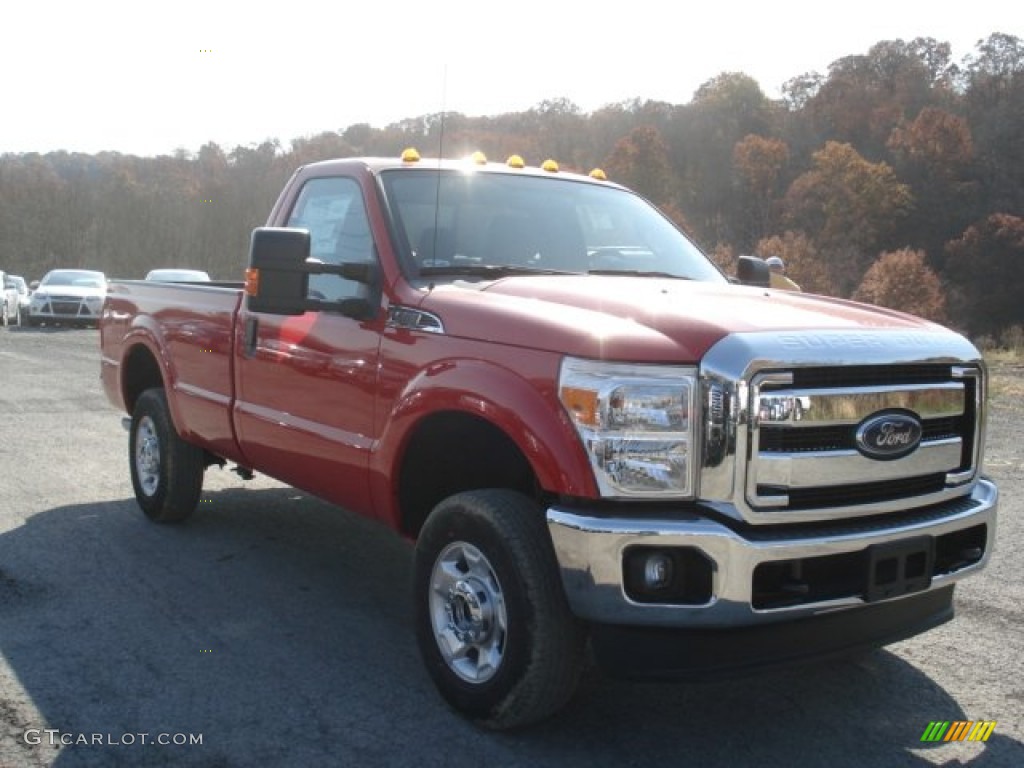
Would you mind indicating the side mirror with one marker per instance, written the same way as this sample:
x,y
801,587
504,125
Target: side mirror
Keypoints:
x,y
750,270
277,280
33,285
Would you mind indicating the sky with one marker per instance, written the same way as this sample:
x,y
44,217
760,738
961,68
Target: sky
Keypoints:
x,y
149,77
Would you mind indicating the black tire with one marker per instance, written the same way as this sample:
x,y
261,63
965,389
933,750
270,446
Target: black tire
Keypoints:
x,y
524,625
167,472
32,322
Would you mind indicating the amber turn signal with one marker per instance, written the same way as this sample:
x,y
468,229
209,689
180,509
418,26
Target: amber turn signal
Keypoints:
x,y
252,282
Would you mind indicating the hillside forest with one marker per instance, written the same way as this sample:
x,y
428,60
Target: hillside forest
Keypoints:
x,y
897,178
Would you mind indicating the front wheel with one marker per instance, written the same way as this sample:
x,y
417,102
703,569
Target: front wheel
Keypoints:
x,y
167,472
492,622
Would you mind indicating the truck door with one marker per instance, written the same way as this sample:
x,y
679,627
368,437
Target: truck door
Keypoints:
x,y
305,384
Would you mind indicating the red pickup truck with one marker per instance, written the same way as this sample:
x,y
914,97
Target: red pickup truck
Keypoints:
x,y
590,432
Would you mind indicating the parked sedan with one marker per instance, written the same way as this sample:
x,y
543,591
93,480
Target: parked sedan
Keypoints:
x,y
71,296
24,295
9,306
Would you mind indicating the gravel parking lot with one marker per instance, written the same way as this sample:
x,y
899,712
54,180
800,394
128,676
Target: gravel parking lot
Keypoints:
x,y
275,630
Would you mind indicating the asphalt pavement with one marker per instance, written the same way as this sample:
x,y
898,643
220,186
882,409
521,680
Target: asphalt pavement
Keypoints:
x,y
273,629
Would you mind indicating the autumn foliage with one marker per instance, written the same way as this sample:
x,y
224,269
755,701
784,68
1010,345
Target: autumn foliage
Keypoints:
x,y
894,177
852,206
640,161
902,280
986,266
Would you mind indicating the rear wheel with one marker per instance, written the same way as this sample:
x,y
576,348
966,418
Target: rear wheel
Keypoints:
x,y
492,622
167,472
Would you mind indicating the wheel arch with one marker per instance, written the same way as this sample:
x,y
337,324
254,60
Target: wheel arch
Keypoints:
x,y
454,451
144,365
471,425
140,370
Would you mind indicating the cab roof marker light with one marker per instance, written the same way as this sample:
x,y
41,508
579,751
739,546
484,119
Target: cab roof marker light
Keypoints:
x,y
550,166
410,155
479,158
597,173
515,161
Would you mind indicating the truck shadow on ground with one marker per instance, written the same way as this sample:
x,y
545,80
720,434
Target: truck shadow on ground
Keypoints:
x,y
279,628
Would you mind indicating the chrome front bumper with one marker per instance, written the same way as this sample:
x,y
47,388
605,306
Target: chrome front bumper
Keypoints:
x,y
589,546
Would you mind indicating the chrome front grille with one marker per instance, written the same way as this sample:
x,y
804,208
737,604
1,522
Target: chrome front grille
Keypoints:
x,y
803,437
790,414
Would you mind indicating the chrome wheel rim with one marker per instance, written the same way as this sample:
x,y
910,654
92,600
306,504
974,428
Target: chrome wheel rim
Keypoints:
x,y
147,456
467,612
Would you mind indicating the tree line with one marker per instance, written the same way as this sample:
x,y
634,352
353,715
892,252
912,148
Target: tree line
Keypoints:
x,y
897,177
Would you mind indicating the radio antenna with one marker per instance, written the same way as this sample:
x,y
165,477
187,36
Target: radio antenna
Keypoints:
x,y
440,157
444,108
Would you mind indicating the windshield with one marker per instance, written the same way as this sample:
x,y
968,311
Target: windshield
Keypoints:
x,y
501,223
178,275
77,277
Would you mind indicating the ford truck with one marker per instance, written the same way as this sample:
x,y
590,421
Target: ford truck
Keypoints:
x,y
592,435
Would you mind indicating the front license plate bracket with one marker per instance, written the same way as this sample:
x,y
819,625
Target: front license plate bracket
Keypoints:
x,y
899,568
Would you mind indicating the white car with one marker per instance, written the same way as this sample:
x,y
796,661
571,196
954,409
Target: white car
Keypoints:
x,y
179,275
24,295
10,308
68,296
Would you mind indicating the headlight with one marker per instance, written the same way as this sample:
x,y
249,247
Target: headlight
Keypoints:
x,y
636,423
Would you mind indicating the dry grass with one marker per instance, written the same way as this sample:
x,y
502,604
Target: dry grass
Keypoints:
x,y
1006,380
1004,356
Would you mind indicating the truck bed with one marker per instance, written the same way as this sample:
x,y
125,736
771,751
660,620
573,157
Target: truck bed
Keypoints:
x,y
190,329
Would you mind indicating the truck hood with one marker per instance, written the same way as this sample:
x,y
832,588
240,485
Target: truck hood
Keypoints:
x,y
640,319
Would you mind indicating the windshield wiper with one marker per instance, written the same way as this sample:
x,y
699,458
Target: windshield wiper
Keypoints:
x,y
635,273
491,270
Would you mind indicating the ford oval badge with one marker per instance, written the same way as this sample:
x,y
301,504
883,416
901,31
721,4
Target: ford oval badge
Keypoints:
x,y
887,436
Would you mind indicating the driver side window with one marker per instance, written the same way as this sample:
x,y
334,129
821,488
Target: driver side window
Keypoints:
x,y
333,211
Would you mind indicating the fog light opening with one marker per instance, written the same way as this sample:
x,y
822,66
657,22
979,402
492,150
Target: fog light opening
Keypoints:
x,y
667,575
658,571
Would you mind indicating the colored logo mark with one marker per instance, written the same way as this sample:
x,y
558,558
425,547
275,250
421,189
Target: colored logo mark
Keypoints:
x,y
959,730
